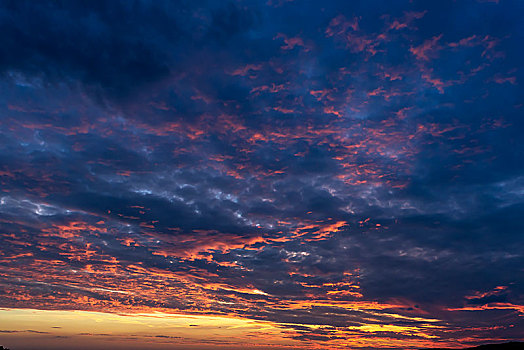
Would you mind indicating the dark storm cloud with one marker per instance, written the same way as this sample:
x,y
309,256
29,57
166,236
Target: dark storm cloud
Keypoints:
x,y
343,169
113,48
86,41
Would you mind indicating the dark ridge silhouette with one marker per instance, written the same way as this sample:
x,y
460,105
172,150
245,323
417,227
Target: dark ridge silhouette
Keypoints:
x,y
2,348
504,346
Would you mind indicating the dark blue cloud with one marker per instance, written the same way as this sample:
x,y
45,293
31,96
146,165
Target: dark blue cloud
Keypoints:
x,y
325,166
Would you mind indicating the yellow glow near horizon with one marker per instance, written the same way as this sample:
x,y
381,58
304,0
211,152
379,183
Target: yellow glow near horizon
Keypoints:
x,y
24,328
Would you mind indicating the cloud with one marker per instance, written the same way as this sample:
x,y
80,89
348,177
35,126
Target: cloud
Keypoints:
x,y
345,171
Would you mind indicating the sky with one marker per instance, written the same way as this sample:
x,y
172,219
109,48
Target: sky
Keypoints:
x,y
270,174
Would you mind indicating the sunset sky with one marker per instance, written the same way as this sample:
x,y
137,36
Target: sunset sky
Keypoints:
x,y
270,174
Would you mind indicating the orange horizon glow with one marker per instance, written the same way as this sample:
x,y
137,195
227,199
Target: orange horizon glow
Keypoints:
x,y
54,329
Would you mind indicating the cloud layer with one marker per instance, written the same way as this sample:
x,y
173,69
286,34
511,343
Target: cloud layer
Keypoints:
x,y
346,170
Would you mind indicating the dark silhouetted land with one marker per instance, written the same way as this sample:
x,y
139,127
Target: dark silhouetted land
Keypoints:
x,y
505,346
